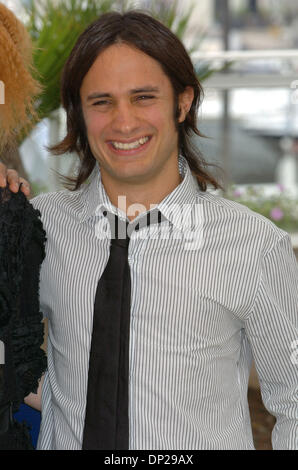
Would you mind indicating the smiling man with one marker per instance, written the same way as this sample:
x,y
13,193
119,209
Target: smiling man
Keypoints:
x,y
128,113
151,338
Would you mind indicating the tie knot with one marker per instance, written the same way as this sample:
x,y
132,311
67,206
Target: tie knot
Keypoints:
x,y
120,234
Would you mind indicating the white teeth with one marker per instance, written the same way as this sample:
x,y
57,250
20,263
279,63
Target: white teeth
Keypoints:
x,y
132,145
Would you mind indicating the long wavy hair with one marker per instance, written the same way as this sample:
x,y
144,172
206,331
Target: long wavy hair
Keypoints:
x,y
150,36
18,87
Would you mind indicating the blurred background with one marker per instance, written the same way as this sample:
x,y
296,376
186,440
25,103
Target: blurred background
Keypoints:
x,y
245,53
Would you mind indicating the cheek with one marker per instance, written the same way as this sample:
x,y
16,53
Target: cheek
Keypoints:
x,y
95,123
166,127
160,119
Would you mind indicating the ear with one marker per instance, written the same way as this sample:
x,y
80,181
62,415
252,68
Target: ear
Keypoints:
x,y
185,102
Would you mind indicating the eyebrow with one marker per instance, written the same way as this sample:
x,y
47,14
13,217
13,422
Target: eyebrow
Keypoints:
x,y
134,91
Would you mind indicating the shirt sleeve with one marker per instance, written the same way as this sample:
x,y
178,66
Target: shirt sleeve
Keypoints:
x,y
272,330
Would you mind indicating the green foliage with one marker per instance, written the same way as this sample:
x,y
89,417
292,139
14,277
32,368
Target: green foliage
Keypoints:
x,y
54,28
280,207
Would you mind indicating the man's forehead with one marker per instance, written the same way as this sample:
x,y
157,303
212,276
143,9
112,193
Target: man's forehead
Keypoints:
x,y
121,58
120,68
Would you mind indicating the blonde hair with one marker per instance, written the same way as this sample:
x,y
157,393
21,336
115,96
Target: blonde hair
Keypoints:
x,y
19,88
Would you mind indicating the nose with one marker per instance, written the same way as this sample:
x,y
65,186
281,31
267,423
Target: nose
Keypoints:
x,y
125,120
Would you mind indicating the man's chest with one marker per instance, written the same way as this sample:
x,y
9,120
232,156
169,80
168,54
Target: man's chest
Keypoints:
x,y
179,298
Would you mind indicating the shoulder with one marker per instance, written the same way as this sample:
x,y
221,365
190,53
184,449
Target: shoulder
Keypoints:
x,y
239,221
52,198
56,198
57,204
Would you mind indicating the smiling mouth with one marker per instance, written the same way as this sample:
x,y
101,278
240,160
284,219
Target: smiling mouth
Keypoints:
x,y
131,145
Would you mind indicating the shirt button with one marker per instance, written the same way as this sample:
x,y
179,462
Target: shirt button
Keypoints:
x,y
105,213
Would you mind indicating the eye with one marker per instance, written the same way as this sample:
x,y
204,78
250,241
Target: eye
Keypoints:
x,y
145,97
100,103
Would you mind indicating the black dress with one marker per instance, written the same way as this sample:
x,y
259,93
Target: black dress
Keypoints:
x,y
22,250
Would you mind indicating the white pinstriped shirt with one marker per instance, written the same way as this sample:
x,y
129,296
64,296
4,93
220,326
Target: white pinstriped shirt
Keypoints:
x,y
201,307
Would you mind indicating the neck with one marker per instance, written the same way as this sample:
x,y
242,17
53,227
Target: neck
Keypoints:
x,y
137,198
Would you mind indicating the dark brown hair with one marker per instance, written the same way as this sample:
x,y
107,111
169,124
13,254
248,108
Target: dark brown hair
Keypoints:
x,y
154,39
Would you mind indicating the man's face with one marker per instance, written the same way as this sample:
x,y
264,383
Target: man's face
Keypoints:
x,y
128,108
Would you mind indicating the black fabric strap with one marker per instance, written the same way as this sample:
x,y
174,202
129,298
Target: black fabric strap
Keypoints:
x,y
106,421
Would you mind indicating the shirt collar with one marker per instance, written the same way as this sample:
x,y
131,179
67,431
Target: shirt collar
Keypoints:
x,y
173,207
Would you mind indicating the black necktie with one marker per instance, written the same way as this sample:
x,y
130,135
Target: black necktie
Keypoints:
x,y
106,420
